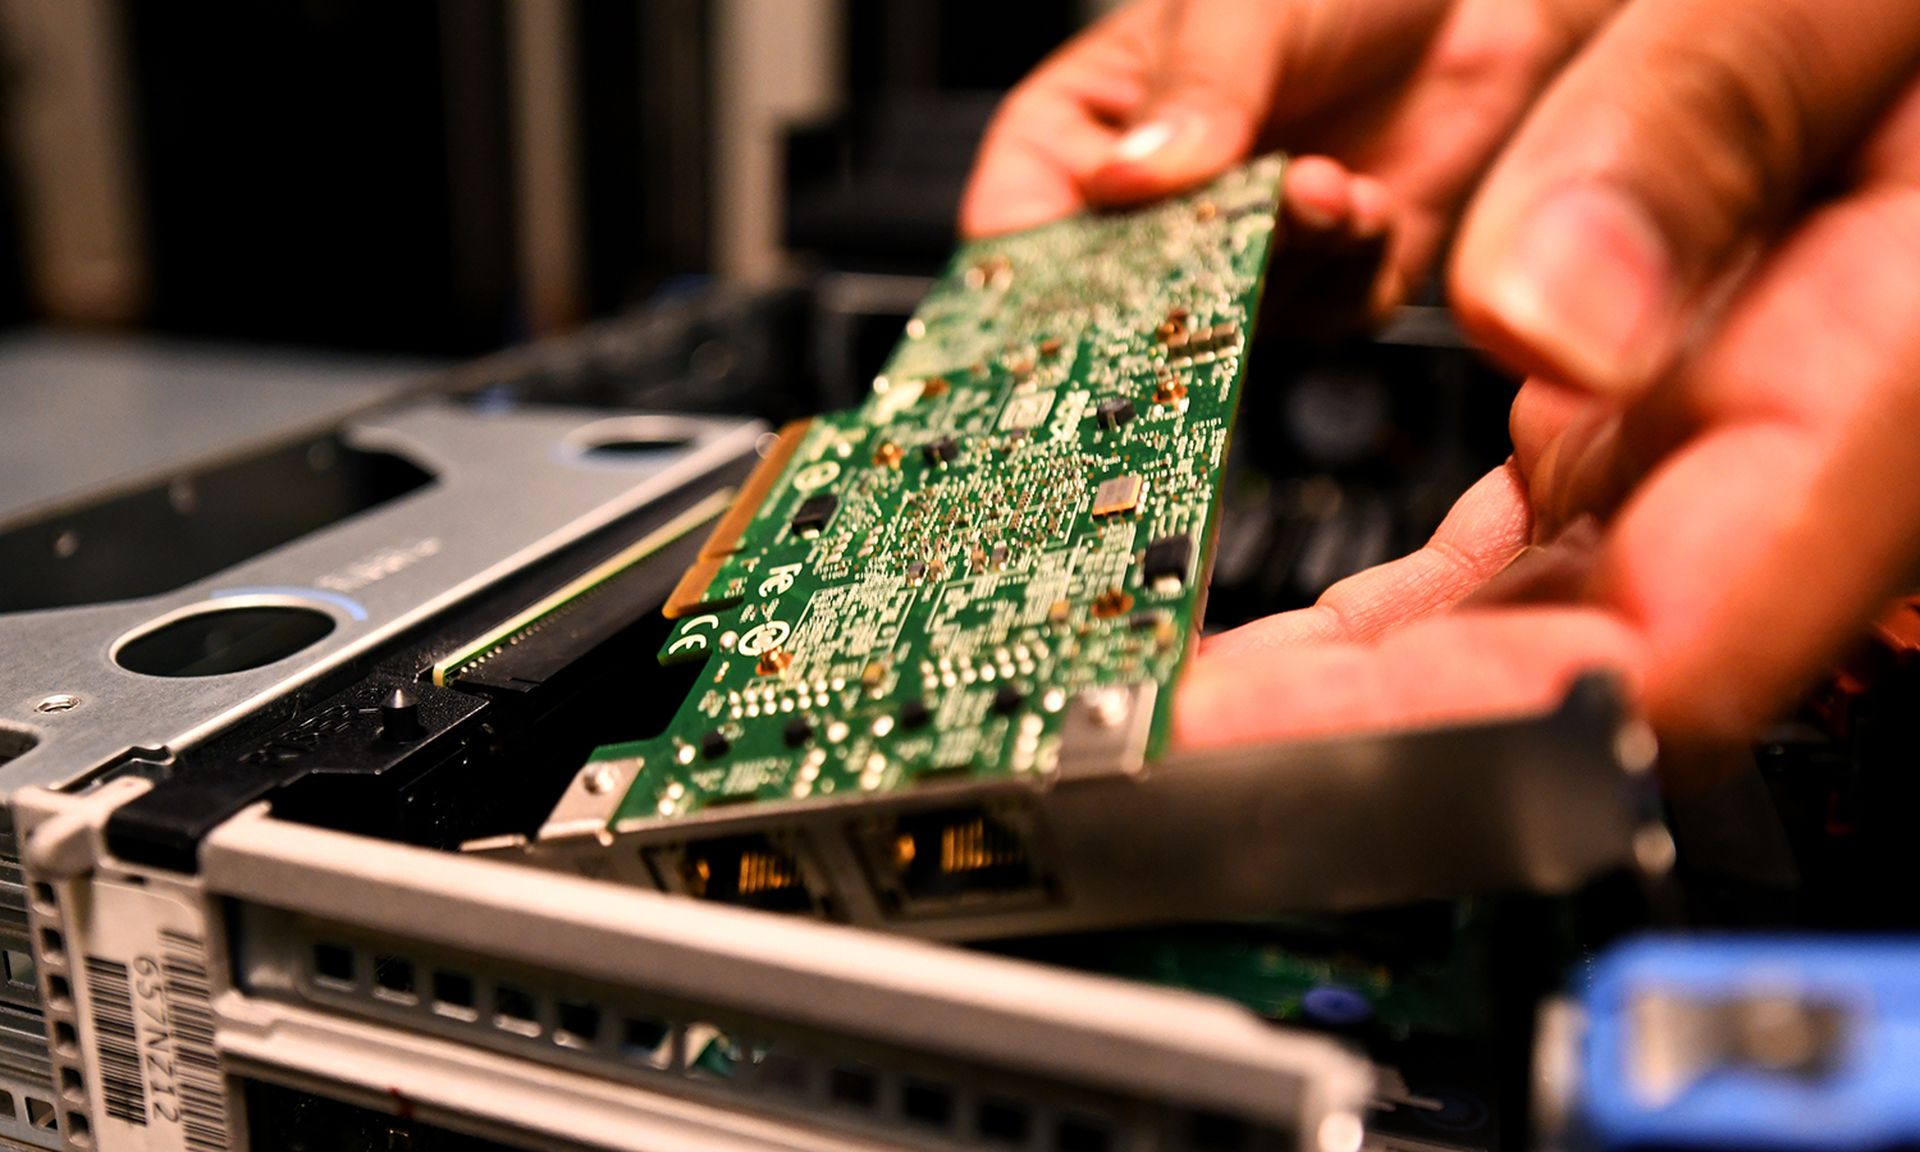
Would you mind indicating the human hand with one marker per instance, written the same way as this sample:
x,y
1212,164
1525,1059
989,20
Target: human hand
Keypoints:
x,y
1413,95
1705,246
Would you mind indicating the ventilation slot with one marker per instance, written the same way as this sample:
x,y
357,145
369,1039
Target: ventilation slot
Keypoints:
x,y
912,1100
32,1116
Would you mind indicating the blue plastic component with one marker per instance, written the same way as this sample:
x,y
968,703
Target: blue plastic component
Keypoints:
x,y
1336,1006
1866,1098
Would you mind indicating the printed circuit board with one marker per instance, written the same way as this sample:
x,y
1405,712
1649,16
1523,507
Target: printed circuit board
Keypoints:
x,y
996,565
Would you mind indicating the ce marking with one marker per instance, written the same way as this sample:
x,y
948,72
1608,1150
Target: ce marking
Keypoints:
x,y
691,640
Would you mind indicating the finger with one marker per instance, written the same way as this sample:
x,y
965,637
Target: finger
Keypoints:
x,y
1554,570
1317,195
1429,128
1372,207
1542,411
1690,129
1482,532
1226,68
1218,62
1754,554
1445,668
1598,459
1331,277
1550,424
1059,125
1582,454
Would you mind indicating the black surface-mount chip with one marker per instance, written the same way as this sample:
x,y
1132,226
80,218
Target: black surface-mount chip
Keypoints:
x,y
942,451
714,744
1007,699
914,714
1114,411
814,512
798,731
1168,561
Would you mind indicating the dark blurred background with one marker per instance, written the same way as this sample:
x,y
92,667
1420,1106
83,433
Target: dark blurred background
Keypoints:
x,y
447,177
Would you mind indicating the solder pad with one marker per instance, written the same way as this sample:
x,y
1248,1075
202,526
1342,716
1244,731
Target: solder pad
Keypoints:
x,y
929,586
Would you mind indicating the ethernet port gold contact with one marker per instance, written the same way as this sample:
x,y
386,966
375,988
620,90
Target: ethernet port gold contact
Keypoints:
x,y
928,863
751,870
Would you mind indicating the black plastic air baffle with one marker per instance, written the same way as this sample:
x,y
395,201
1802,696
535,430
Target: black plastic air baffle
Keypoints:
x,y
349,762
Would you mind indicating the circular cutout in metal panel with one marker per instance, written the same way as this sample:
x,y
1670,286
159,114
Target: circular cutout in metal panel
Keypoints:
x,y
622,438
220,641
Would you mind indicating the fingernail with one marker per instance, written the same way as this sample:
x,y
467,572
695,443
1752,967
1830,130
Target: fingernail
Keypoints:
x,y
1588,283
1578,474
1163,141
1312,215
1143,141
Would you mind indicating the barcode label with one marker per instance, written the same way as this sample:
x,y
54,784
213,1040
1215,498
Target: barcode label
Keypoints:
x,y
203,1094
116,1043
148,991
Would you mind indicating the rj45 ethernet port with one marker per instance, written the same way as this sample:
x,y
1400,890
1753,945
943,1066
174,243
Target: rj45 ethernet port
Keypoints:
x,y
752,871
926,863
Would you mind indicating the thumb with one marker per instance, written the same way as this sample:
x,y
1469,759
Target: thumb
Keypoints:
x,y
1224,69
1656,167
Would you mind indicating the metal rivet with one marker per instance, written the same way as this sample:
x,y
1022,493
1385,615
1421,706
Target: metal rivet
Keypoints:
x,y
1109,707
58,702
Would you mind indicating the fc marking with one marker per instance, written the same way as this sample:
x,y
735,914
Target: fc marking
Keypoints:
x,y
778,580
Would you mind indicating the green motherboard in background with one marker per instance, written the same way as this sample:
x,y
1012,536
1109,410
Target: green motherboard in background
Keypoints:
x,y
1021,511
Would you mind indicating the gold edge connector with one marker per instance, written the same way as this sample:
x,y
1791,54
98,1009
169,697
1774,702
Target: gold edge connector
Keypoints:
x,y
690,594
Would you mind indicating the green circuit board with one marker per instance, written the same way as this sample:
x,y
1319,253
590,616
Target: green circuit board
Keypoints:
x,y
1418,971
1020,512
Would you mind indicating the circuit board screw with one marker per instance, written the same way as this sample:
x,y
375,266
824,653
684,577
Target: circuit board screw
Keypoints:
x,y
599,779
1109,707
